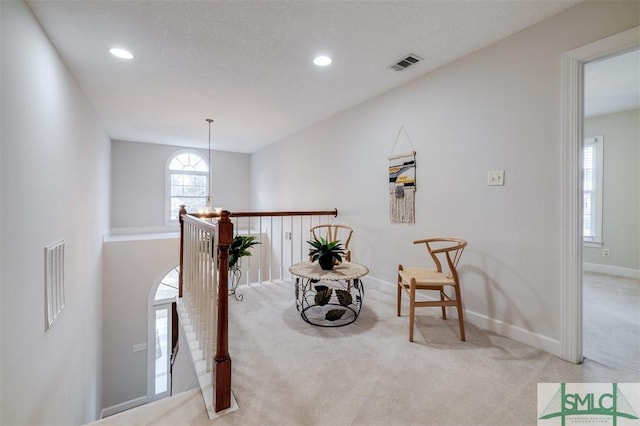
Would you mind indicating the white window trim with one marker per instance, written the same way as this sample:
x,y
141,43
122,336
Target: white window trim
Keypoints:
x,y
153,303
167,185
598,182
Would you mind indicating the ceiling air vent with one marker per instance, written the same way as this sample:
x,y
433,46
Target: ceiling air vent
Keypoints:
x,y
406,62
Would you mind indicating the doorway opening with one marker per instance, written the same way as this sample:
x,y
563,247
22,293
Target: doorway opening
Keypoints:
x,y
611,215
573,63
163,335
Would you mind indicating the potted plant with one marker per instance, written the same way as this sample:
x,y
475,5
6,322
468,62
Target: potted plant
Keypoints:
x,y
238,249
325,252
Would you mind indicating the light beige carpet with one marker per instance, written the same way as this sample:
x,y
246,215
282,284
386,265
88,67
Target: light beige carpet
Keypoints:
x,y
287,372
612,320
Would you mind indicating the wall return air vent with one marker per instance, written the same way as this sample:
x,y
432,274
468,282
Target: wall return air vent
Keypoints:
x,y
406,62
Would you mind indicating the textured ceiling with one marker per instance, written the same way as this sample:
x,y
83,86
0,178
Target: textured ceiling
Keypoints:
x,y
248,64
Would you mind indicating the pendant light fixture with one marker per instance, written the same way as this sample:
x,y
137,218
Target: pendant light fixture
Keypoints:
x,y
208,208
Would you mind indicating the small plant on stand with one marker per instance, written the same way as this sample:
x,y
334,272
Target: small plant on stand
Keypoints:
x,y
240,247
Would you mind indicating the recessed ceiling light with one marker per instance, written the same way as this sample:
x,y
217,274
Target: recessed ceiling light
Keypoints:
x,y
322,61
121,53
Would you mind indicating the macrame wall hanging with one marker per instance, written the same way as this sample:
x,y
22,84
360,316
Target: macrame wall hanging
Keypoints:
x,y
402,182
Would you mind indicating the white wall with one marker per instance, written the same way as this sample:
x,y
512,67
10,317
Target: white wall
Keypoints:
x,y
132,269
621,192
499,108
138,201
55,185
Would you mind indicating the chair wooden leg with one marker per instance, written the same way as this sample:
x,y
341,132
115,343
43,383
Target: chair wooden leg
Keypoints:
x,y
399,290
460,317
412,308
444,309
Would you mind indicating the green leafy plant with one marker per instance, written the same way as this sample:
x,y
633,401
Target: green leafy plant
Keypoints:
x,y
240,248
325,252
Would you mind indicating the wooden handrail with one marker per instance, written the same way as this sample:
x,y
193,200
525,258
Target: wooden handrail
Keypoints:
x,y
212,215
333,213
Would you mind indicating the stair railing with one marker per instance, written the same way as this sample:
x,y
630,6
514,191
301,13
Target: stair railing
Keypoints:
x,y
283,237
205,239
204,252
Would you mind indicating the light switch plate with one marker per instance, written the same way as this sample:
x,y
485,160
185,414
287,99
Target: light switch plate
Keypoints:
x,y
495,178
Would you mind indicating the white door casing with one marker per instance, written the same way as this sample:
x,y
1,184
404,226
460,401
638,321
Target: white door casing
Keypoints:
x,y
573,119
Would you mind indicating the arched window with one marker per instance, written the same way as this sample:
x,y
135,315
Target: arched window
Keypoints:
x,y
187,183
168,286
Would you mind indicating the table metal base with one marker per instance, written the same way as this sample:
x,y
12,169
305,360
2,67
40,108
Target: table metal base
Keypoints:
x,y
329,303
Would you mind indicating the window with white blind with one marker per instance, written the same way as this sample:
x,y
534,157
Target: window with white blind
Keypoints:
x,y
593,165
187,183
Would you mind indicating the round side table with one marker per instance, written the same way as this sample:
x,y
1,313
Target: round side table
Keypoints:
x,y
329,298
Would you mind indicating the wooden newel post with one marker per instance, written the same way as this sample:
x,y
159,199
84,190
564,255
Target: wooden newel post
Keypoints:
x,y
181,213
222,361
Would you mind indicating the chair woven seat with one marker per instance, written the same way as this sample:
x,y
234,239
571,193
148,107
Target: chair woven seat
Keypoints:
x,y
425,276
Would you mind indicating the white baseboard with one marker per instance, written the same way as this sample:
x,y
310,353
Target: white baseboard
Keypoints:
x,y
119,408
516,333
511,331
611,270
